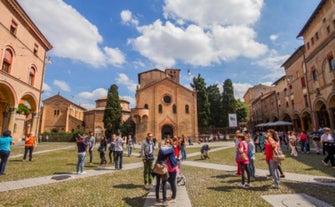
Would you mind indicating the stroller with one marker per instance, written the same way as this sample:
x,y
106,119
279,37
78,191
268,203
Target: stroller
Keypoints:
x,y
204,152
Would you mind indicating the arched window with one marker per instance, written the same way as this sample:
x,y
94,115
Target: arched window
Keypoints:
x,y
31,76
174,108
7,61
187,109
146,106
160,108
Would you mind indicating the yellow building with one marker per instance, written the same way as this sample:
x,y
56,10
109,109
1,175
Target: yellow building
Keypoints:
x,y
163,106
23,52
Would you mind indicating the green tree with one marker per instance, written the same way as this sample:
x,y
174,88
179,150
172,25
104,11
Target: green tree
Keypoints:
x,y
113,111
203,104
241,111
214,98
228,101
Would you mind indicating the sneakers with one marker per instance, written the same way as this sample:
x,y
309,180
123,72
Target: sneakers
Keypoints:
x,y
247,185
275,186
241,185
282,176
171,200
325,164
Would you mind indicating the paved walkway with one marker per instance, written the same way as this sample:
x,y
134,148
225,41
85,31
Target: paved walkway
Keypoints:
x,y
182,196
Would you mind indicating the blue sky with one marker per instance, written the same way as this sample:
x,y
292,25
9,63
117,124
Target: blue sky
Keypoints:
x,y
104,42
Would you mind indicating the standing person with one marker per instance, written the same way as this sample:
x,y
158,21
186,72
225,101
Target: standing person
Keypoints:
x,y
183,147
82,148
328,141
270,144
147,154
111,154
176,147
258,142
29,145
5,142
237,133
243,160
118,151
303,141
292,142
130,145
251,156
102,150
315,135
91,144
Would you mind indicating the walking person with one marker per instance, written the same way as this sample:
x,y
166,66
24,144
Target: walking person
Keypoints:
x,y
91,144
315,135
251,156
102,150
328,141
111,148
183,147
118,151
147,154
292,142
81,148
271,143
130,145
29,145
243,160
5,142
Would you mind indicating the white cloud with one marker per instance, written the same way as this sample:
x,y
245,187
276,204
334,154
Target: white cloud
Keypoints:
x,y
114,56
46,88
213,33
62,85
127,17
240,89
273,37
93,95
67,30
273,63
123,79
217,12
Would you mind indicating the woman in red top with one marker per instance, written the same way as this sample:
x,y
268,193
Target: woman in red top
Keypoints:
x,y
271,142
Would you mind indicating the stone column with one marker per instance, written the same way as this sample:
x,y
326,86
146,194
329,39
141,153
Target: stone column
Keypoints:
x,y
11,123
34,125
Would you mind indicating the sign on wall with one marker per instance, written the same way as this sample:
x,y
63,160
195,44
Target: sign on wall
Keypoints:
x,y
232,120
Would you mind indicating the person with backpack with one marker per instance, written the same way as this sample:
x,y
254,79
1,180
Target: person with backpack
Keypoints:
x,y
147,154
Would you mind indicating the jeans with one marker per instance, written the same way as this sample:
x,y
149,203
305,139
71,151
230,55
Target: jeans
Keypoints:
x,y
118,159
252,167
111,156
30,149
102,158
90,151
158,181
4,155
147,171
245,167
173,183
81,162
183,153
330,153
274,171
129,150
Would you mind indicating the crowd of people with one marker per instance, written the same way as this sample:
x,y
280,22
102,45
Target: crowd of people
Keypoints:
x,y
271,142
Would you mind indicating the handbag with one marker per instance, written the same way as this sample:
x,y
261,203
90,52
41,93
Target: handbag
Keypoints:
x,y
278,155
160,169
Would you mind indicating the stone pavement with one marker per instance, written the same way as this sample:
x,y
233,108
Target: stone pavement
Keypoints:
x,y
182,196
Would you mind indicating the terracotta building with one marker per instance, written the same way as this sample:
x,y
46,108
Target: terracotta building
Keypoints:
x,y
163,106
306,94
23,53
60,114
93,119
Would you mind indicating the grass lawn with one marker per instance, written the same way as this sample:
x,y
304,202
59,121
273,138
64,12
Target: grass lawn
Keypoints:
x,y
205,187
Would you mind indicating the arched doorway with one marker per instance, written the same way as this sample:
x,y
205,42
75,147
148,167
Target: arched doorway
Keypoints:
x,y
307,121
322,114
167,131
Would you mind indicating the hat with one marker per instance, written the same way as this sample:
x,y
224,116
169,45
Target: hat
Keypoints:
x,y
326,129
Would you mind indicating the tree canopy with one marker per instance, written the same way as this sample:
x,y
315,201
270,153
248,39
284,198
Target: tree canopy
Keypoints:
x,y
113,111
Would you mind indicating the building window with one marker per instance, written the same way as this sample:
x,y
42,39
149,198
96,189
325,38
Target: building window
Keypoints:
x,y
35,49
167,99
7,61
331,61
285,92
160,108
146,106
56,112
174,108
286,103
292,102
31,76
307,45
316,36
13,28
314,74
303,82
312,40
328,29
187,109
306,100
